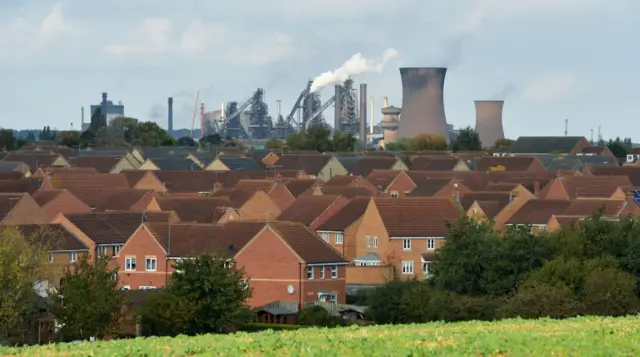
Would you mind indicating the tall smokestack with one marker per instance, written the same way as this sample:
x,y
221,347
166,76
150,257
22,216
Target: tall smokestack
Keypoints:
x,y
371,111
363,115
170,115
81,118
338,108
278,108
423,102
489,121
103,105
202,120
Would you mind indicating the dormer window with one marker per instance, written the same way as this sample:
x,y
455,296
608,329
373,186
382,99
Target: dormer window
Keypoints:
x,y
631,157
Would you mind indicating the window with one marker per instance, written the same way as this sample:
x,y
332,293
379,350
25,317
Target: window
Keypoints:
x,y
370,263
50,257
407,268
334,298
310,273
325,237
73,256
426,268
368,241
339,238
150,264
375,241
334,272
431,244
102,251
146,287
125,287
130,264
631,157
116,249
322,272
394,194
406,244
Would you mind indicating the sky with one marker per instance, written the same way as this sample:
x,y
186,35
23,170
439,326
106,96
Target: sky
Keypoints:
x,y
550,60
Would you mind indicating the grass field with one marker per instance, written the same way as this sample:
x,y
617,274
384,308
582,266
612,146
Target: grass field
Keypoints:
x,y
574,337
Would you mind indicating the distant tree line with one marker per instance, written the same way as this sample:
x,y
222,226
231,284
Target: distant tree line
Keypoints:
x,y
590,269
315,138
619,147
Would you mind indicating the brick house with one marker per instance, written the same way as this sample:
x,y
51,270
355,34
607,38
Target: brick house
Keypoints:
x,y
301,187
91,188
391,183
103,164
251,204
356,181
452,188
436,163
313,210
21,208
197,209
586,187
60,201
275,189
143,180
510,163
537,213
129,199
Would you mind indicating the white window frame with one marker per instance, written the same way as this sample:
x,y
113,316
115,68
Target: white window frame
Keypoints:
x,y
73,257
51,259
102,251
322,272
375,241
367,241
125,287
394,194
310,273
325,237
407,267
431,243
146,287
363,263
334,272
339,238
406,245
426,268
116,249
154,262
130,264
333,298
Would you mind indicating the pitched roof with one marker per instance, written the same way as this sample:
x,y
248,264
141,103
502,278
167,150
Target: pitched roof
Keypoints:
x,y
11,175
564,163
346,191
428,187
33,161
8,202
306,209
43,197
312,164
593,150
300,186
265,185
203,180
502,197
53,236
65,151
594,186
510,163
491,208
14,167
107,227
311,248
431,163
350,213
166,152
589,207
342,180
545,144
237,196
102,164
185,239
180,164
55,170
382,178
566,221
240,163
632,172
134,176
27,184
123,199
416,216
196,209
91,188
538,211
365,164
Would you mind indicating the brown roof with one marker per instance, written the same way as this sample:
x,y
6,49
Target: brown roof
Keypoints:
x,y
342,180
568,221
134,176
196,209
43,197
65,151
381,179
538,211
510,163
498,196
123,199
594,186
416,216
203,180
103,164
33,161
500,186
265,185
632,172
491,208
107,227
431,163
593,150
8,202
11,175
54,170
312,164
185,239
306,209
347,215
299,186
27,184
238,197
589,207
311,248
91,188
366,164
346,191
54,236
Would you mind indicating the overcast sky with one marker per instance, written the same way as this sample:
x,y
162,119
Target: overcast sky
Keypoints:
x,y
550,59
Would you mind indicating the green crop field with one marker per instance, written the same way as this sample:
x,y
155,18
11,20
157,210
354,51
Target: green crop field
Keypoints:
x,y
574,337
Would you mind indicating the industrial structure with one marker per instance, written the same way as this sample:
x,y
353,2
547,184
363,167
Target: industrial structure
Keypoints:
x,y
108,108
489,121
170,115
390,122
423,102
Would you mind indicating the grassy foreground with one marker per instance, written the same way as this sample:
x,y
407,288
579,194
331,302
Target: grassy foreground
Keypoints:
x,y
574,337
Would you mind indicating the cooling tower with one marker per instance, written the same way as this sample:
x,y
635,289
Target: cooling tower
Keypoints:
x,y
489,121
422,102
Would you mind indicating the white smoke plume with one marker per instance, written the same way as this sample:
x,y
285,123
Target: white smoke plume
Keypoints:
x,y
506,91
354,66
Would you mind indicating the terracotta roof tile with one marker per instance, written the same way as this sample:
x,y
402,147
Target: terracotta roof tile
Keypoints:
x,y
265,185
496,196
8,201
510,163
28,185
53,236
342,180
43,197
566,221
345,191
237,196
299,186
203,180
630,171
102,164
588,207
491,208
312,164
11,175
350,213
134,176
107,227
307,209
431,163
186,239
416,216
54,170
366,164
538,211
196,209
382,178
428,187
311,248
594,186
91,188
123,199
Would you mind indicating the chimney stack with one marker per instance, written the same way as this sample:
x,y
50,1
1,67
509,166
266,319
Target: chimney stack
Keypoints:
x,y
170,115
103,105
371,112
81,118
363,115
338,108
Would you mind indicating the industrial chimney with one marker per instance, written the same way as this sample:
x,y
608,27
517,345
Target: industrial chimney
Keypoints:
x,y
338,108
422,102
103,105
363,115
170,115
489,121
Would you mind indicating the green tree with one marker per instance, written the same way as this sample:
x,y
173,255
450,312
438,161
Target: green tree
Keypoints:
x,y
400,145
296,142
318,138
468,140
214,291
273,144
68,138
617,147
344,142
211,139
88,302
542,300
318,316
7,140
427,142
503,143
150,134
31,137
165,314
185,141
610,292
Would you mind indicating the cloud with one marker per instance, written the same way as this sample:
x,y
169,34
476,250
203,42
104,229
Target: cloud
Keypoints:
x,y
551,87
207,41
27,35
54,25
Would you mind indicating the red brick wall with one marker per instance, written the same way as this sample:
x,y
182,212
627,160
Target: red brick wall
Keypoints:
x,y
141,245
